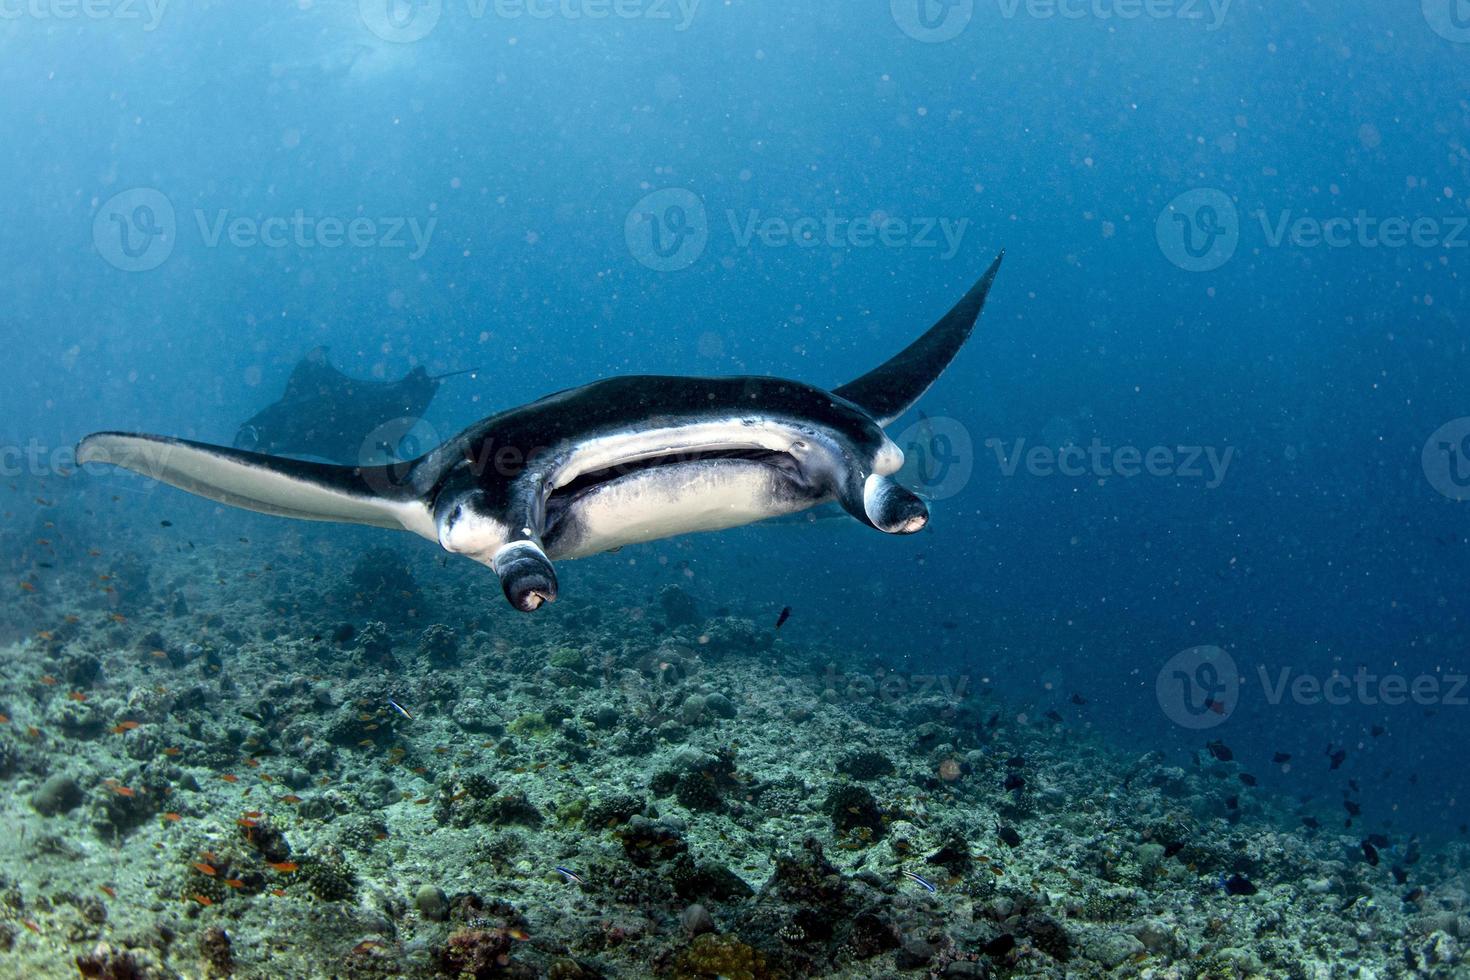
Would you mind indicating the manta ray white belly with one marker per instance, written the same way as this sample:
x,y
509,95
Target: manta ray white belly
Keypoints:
x,y
704,495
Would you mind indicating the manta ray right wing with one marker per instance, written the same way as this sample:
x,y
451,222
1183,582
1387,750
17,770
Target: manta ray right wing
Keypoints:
x,y
382,496
892,388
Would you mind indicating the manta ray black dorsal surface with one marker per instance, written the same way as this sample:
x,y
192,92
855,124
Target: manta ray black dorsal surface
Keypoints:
x,y
325,413
587,470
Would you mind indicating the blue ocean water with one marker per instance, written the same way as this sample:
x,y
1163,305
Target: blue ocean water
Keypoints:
x,y
1235,239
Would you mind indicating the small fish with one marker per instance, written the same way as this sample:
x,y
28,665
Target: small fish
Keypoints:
x,y
247,822
1352,808
253,814
124,726
172,817
204,900
518,934
1378,731
1414,896
1220,750
234,882
291,798
4,719
230,777
124,791
1246,778
569,875
1078,700
1015,782
1370,853
284,867
31,926
205,869
27,587
278,892
109,892
926,883
76,696
172,751
400,709
48,680
785,615
165,523
1337,758
1008,836
1054,716
1400,876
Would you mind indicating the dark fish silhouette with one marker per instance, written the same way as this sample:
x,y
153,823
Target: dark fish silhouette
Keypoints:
x,y
1337,758
785,615
325,413
1220,750
1008,836
1370,853
1281,758
1239,885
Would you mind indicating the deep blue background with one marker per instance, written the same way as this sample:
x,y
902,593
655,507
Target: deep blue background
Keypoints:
x,y
1325,370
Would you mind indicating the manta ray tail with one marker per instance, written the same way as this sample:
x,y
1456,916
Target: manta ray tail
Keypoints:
x,y
382,496
887,391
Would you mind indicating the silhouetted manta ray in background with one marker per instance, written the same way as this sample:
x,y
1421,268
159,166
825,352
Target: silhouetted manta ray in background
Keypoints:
x,y
327,414
594,468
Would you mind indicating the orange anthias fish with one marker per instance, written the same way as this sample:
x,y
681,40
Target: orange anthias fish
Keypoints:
x,y
48,680
205,869
76,696
230,778
284,867
234,882
172,817
124,726
109,892
204,900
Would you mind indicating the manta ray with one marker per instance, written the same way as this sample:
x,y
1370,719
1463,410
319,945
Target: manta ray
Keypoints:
x,y
325,413
591,469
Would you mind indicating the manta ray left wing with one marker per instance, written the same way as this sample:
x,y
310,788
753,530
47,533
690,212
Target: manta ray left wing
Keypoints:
x,y
382,496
